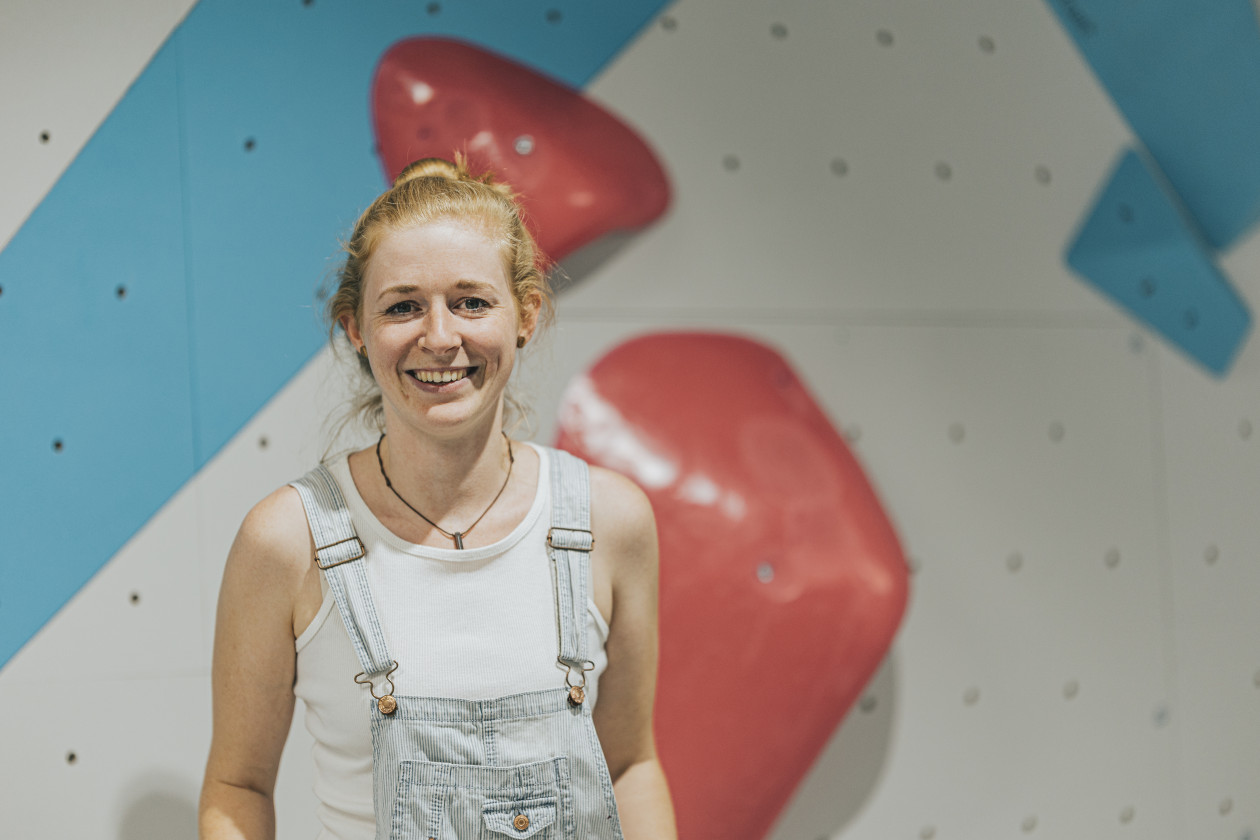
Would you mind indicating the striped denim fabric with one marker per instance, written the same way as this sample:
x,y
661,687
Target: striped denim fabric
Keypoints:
x,y
522,766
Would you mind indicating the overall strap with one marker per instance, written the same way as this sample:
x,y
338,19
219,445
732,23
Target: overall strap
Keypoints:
x,y
339,554
569,544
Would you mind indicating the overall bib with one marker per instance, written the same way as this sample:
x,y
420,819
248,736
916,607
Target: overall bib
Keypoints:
x,y
523,766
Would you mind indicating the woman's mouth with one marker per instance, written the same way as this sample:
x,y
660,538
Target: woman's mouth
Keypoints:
x,y
440,377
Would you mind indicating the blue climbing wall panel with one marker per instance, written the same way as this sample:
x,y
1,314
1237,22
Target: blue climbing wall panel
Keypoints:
x,y
1188,80
1187,77
165,288
1140,249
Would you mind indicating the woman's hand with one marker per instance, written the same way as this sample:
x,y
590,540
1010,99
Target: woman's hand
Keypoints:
x,y
253,670
626,545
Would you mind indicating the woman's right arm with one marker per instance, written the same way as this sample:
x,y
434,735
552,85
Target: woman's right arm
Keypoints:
x,y
253,670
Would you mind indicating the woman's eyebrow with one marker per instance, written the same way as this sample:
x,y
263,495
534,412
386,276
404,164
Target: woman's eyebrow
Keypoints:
x,y
402,289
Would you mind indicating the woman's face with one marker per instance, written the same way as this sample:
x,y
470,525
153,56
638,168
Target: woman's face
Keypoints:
x,y
440,325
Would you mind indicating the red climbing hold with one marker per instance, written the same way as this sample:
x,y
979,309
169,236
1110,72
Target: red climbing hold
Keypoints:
x,y
581,171
782,580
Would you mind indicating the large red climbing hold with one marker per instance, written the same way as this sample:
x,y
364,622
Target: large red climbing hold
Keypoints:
x,y
581,171
782,580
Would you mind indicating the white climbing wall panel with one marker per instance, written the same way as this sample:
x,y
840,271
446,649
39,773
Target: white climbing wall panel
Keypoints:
x,y
881,189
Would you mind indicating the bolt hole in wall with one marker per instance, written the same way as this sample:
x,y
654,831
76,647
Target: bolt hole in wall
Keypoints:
x,y
135,598
249,144
45,137
120,292
71,758
58,445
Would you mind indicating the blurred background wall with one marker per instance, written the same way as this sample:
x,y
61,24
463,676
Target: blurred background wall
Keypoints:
x,y
882,191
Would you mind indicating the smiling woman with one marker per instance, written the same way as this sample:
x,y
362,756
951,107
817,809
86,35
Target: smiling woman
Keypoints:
x,y
438,600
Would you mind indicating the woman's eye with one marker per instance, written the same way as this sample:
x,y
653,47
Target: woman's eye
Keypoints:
x,y
403,307
474,304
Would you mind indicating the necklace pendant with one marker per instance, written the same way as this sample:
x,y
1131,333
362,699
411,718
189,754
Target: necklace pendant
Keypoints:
x,y
459,539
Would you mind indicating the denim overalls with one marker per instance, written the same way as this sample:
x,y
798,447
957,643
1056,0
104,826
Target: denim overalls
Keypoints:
x,y
521,766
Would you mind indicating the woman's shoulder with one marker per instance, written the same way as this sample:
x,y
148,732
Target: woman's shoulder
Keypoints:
x,y
621,514
274,534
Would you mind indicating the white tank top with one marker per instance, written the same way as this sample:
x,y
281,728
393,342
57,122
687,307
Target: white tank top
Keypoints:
x,y
471,624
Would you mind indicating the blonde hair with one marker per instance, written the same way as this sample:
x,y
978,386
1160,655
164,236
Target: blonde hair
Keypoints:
x,y
431,190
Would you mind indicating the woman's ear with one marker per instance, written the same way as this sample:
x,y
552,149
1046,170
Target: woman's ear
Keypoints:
x,y
351,327
529,315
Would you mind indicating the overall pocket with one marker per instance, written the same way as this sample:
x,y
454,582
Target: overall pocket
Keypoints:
x,y
438,801
520,818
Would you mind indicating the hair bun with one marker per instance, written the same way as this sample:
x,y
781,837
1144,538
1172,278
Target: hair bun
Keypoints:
x,y
433,168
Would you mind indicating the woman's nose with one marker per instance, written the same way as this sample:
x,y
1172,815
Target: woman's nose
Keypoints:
x,y
441,333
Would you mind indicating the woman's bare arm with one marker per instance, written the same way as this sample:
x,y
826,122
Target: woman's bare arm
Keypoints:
x,y
622,518
253,670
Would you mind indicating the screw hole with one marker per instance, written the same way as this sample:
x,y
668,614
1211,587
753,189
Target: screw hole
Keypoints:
x,y
249,144
553,16
135,597
263,442
668,23
58,445
779,31
44,137
884,37
71,758
121,292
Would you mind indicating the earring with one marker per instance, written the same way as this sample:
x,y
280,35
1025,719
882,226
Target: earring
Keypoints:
x,y
363,350
520,341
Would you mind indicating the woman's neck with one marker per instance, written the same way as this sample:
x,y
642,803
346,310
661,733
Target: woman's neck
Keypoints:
x,y
446,478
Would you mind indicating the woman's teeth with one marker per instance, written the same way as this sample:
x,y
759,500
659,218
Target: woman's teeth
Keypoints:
x,y
440,376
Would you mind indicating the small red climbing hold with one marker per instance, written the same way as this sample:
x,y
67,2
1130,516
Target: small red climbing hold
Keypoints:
x,y
581,172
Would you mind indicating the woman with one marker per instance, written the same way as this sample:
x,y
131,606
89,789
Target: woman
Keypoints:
x,y
452,634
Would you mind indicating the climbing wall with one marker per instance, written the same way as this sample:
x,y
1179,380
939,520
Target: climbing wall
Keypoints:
x,y
882,191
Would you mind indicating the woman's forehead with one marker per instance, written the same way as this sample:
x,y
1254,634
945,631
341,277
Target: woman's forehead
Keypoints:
x,y
438,248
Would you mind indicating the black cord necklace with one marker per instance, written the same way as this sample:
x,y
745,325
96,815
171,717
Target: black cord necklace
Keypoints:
x,y
457,536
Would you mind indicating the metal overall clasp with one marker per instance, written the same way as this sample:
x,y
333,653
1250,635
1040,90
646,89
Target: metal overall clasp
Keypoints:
x,y
386,702
577,691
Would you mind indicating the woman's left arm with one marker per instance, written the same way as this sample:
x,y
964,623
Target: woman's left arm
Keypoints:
x,y
622,519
